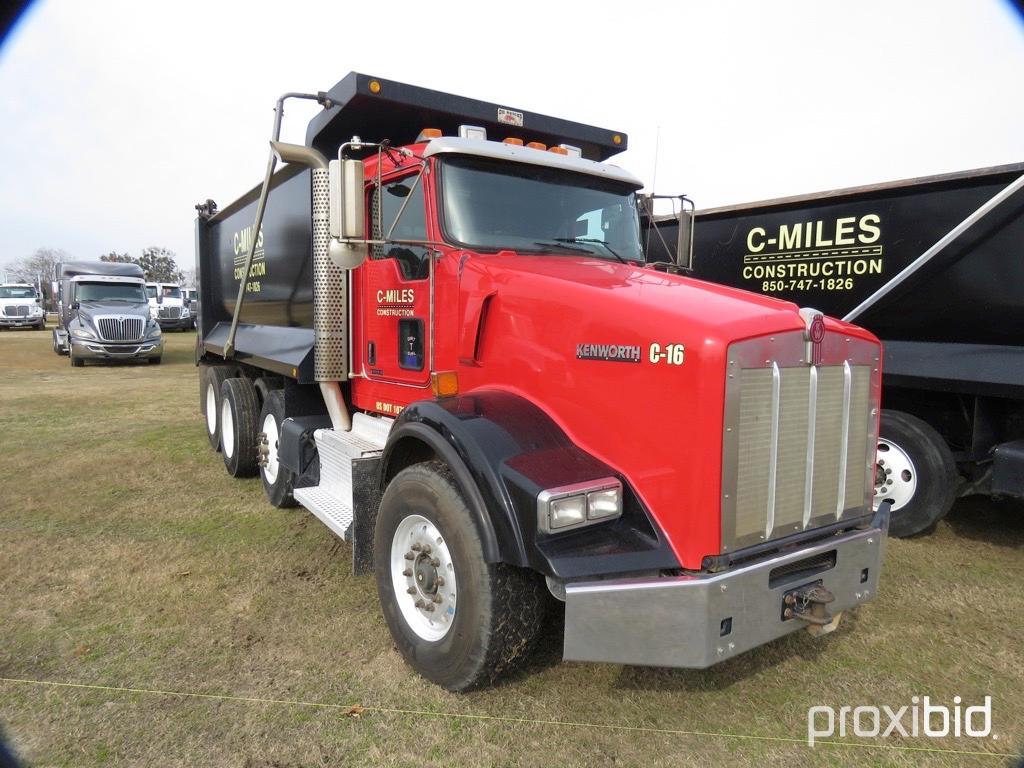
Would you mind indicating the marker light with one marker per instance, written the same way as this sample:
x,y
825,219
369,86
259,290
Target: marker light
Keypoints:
x,y
445,383
427,134
473,132
537,145
374,86
558,150
616,139
571,150
513,141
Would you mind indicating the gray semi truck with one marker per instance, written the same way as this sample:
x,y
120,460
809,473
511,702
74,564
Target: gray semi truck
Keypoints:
x,y
103,314
932,266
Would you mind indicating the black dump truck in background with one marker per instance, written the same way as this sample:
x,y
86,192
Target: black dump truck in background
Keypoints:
x,y
935,268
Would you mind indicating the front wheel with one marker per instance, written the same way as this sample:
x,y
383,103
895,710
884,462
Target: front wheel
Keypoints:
x,y
915,472
458,620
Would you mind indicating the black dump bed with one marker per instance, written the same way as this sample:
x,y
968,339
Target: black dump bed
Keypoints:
x,y
959,317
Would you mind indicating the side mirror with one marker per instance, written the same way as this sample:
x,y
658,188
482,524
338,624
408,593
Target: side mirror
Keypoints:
x,y
348,248
684,245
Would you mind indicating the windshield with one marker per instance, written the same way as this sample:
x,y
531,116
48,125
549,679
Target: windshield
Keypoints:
x,y
17,292
491,205
170,292
151,291
109,292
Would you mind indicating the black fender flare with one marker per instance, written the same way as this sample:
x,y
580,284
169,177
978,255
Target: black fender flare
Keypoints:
x,y
503,450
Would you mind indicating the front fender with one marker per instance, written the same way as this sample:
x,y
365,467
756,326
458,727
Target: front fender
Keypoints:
x,y
504,451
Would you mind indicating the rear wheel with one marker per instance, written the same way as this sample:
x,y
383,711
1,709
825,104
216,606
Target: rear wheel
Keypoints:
x,y
210,380
278,481
458,620
915,472
239,412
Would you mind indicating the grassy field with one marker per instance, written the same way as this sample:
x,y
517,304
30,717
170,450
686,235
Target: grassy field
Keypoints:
x,y
130,560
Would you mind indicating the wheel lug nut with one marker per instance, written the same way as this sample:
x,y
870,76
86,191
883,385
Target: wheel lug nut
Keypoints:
x,y
888,471
436,598
426,549
419,603
411,590
410,556
407,572
429,607
435,562
439,581
416,547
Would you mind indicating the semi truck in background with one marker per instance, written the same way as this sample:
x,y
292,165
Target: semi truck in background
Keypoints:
x,y
21,306
103,314
433,328
168,306
930,265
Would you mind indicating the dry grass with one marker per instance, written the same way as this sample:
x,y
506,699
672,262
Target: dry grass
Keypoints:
x,y
129,558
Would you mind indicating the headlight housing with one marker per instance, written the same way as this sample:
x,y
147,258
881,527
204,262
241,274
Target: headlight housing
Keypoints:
x,y
184,312
154,331
36,311
82,333
573,506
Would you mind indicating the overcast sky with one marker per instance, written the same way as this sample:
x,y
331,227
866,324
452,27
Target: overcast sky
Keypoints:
x,y
118,117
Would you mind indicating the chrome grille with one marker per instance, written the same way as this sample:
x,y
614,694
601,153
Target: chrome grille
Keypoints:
x,y
169,313
798,450
116,328
16,311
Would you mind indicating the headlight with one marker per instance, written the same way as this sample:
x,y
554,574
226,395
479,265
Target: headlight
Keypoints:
x,y
154,330
184,311
576,505
37,311
82,333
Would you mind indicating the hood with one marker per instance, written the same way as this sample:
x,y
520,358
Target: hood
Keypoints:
x,y
630,362
89,310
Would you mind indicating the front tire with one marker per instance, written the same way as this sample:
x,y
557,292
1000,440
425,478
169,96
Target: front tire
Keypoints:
x,y
76,362
278,481
915,471
239,412
458,620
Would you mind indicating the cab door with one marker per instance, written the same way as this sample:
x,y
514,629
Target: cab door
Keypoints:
x,y
395,322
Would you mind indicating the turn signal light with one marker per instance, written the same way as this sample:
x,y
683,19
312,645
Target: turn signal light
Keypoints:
x,y
427,134
444,383
537,145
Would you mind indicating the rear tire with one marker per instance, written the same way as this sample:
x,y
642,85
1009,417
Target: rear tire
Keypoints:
x,y
211,378
915,471
278,481
239,412
499,610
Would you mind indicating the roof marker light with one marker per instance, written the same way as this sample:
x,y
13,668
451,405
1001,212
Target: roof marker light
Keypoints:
x,y
473,132
374,86
513,141
558,150
427,134
537,145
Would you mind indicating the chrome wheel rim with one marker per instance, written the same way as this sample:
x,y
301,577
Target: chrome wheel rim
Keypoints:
x,y
423,578
270,467
227,429
895,475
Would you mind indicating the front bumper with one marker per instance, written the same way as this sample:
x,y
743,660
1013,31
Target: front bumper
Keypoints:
x,y
100,350
699,620
175,324
23,321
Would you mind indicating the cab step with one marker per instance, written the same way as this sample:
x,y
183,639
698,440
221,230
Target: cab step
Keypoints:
x,y
331,500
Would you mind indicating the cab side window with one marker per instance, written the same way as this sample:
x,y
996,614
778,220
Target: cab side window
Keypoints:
x,y
412,225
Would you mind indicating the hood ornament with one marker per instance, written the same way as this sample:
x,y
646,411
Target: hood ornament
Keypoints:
x,y
814,334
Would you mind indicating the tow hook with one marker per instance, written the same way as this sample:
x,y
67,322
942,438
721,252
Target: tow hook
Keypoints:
x,y
808,603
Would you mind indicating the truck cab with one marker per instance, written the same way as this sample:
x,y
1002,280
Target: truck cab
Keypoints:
x,y
466,368
21,307
168,306
103,314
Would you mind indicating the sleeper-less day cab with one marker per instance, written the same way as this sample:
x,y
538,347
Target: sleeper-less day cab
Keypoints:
x,y
446,345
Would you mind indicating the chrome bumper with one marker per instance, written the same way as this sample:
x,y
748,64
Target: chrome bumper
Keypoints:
x,y
99,350
697,621
21,321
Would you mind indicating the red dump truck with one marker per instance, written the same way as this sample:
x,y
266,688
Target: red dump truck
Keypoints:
x,y
434,329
